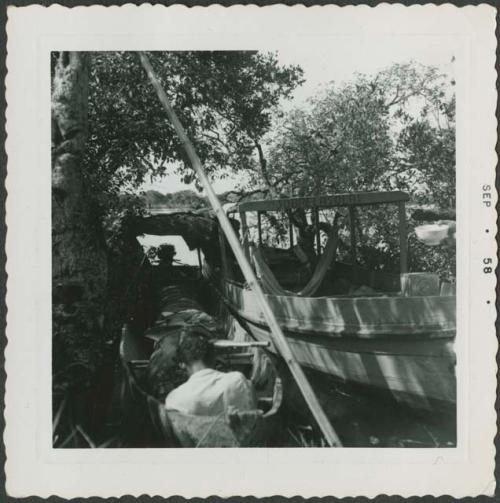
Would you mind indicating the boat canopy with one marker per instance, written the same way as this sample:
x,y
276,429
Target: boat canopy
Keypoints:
x,y
351,200
347,199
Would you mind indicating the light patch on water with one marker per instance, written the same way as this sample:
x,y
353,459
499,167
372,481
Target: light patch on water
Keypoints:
x,y
183,253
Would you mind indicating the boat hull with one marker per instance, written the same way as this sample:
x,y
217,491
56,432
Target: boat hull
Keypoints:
x,y
399,345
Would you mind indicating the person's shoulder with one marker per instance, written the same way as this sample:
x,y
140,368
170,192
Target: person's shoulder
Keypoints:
x,y
177,393
172,394
235,377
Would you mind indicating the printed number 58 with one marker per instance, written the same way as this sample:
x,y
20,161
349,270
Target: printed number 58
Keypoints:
x,y
487,269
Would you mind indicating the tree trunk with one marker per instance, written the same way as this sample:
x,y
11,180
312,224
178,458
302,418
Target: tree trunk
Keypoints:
x,y
79,268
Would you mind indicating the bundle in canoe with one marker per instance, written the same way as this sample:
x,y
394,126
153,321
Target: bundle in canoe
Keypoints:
x,y
146,422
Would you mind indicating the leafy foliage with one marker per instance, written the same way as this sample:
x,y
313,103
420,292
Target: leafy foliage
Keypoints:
x,y
224,99
180,199
391,131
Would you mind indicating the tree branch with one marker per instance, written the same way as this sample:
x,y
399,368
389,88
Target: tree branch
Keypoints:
x,y
242,193
263,169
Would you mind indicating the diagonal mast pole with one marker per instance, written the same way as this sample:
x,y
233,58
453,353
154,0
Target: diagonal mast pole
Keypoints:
x,y
277,334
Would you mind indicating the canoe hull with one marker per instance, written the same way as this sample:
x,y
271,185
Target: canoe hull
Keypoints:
x,y
397,345
146,422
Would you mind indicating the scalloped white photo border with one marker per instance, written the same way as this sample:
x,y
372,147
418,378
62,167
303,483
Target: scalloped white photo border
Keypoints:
x,y
33,467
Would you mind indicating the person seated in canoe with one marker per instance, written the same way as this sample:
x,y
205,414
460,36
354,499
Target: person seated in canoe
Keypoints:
x,y
166,254
207,392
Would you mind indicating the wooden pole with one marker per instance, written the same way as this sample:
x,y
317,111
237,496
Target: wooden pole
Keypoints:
x,y
318,236
278,337
259,226
403,238
244,231
352,227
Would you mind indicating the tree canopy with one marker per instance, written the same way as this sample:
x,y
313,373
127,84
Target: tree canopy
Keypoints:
x,y
391,130
394,130
225,100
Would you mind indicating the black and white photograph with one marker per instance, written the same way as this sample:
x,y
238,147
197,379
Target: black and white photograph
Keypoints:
x,y
255,238
248,251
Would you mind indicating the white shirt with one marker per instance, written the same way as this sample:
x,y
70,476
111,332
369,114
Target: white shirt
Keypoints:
x,y
209,392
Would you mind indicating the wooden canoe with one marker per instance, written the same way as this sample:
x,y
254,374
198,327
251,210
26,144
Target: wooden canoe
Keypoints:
x,y
146,422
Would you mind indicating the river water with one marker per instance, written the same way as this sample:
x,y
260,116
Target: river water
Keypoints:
x,y
183,253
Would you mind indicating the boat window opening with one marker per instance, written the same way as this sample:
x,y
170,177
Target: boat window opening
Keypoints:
x,y
251,228
275,230
326,217
380,237
370,250
268,229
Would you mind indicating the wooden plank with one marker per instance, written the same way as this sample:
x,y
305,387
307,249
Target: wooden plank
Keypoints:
x,y
403,238
226,343
277,335
331,201
236,358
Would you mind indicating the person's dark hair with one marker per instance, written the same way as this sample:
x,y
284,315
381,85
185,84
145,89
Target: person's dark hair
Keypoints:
x,y
166,253
193,346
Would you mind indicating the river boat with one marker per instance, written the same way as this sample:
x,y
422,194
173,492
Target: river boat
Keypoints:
x,y
146,422
388,332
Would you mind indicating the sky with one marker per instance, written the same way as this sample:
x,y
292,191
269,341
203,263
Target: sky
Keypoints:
x,y
339,61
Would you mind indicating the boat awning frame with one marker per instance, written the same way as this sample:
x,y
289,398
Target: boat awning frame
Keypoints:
x,y
350,200
332,201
